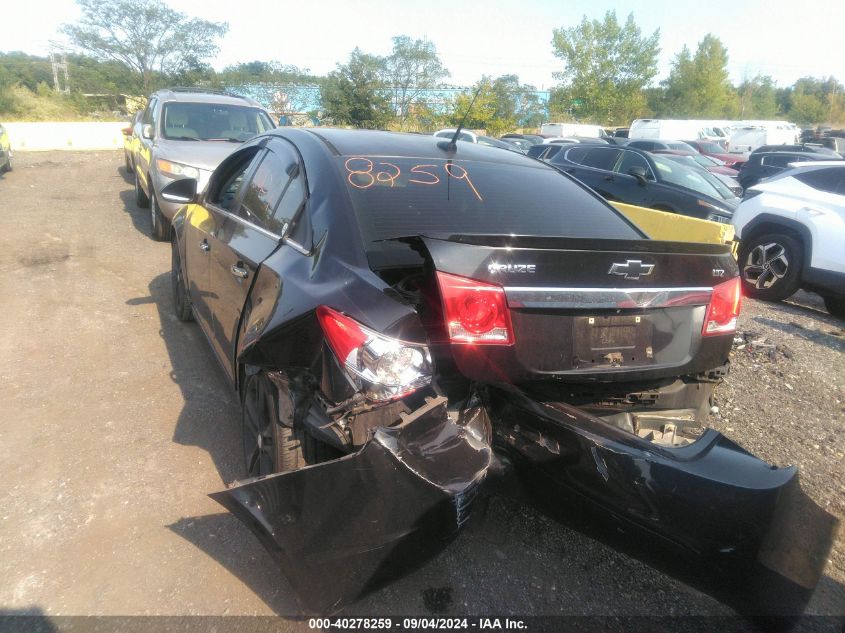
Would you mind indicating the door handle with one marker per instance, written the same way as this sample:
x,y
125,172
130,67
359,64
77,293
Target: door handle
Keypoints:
x,y
204,246
570,170
237,271
609,178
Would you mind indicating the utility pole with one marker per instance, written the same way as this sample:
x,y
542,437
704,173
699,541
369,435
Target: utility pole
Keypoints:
x,y
59,64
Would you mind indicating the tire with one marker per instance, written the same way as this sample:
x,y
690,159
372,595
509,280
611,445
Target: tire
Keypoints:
x,y
8,165
268,445
770,266
126,162
181,298
141,199
836,306
159,226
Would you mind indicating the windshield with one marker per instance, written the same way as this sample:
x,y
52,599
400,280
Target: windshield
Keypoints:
x,y
213,122
695,178
395,197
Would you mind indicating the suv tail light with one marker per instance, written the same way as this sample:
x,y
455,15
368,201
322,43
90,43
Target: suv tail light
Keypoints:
x,y
384,368
475,312
723,310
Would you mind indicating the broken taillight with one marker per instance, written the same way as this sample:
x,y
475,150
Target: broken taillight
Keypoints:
x,y
474,311
384,368
723,310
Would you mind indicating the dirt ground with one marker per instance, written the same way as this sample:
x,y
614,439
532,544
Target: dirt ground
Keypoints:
x,y
115,423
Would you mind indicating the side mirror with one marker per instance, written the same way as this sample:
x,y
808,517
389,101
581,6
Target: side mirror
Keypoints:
x,y
639,173
182,191
147,131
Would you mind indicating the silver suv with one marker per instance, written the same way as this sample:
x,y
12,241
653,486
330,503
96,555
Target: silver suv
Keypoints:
x,y
185,133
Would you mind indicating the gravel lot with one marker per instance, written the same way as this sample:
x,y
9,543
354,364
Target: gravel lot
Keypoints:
x,y
116,423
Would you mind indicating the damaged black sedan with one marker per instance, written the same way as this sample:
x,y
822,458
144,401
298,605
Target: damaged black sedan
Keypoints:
x,y
406,319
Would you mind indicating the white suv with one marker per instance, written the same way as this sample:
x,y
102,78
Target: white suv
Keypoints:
x,y
791,229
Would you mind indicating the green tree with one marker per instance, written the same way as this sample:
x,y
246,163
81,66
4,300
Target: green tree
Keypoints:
x,y
356,94
810,91
698,86
146,35
758,98
502,104
807,108
607,65
412,67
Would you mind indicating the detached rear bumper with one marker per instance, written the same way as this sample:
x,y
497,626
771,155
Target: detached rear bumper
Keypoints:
x,y
710,512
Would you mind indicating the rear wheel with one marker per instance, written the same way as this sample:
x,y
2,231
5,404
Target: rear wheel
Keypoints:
x,y
181,298
771,266
141,198
268,445
836,306
8,165
158,223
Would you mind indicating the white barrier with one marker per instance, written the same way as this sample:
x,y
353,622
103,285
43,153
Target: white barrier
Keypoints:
x,y
73,136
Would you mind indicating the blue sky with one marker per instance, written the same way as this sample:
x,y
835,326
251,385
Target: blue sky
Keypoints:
x,y
783,39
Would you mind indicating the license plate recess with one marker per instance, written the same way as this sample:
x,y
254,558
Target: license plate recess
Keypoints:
x,y
612,341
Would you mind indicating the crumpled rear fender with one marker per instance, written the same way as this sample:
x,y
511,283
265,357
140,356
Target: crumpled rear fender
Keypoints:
x,y
342,528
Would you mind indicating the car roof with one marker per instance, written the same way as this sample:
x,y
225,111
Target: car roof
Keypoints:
x,y
204,96
802,155
343,142
817,164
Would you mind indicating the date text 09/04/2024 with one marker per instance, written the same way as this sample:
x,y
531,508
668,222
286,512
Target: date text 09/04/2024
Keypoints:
x,y
436,624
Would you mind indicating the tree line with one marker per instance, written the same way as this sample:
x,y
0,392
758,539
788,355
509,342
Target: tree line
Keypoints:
x,y
607,77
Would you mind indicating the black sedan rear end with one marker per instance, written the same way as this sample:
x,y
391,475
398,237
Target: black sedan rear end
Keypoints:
x,y
406,317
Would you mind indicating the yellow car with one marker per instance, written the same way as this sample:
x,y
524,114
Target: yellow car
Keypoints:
x,y
5,151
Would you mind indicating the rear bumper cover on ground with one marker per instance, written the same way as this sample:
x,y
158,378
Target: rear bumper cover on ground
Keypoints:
x,y
720,518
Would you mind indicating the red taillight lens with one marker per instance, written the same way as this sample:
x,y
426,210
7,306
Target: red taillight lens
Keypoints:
x,y
723,310
344,334
475,312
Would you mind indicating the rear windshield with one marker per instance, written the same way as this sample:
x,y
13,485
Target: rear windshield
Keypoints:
x,y
396,197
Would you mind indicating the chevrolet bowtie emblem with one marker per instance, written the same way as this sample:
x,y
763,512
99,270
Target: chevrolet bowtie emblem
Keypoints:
x,y
631,269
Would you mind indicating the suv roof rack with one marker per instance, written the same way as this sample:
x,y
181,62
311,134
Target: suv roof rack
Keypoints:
x,y
204,90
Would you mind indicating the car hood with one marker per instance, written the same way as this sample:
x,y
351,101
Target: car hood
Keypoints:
x,y
200,154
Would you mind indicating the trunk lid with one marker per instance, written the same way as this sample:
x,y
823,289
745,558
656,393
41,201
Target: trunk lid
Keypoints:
x,y
588,309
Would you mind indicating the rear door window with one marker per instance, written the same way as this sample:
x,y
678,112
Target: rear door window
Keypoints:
x,y
265,189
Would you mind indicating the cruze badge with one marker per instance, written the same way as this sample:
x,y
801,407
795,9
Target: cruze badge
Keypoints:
x,y
631,269
511,268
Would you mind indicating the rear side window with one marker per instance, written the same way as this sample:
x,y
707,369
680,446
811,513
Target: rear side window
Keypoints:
x,y
780,160
601,158
830,180
395,197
